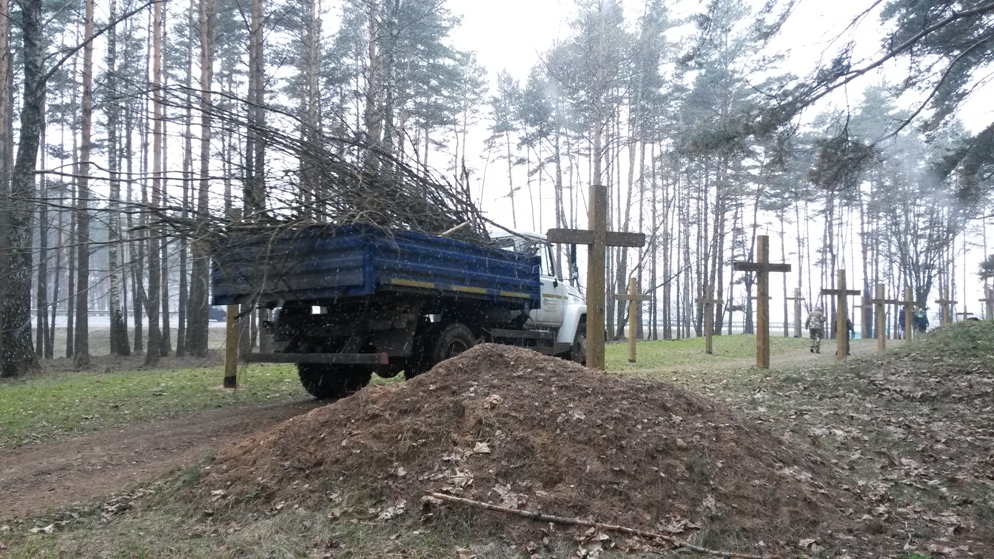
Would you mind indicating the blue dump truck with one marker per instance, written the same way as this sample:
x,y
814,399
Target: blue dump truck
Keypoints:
x,y
350,301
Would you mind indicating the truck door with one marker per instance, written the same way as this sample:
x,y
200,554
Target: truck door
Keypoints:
x,y
554,294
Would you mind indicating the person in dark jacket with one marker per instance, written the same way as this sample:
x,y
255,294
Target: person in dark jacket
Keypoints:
x,y
921,319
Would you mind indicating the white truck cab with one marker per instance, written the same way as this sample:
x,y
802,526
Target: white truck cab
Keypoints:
x,y
563,308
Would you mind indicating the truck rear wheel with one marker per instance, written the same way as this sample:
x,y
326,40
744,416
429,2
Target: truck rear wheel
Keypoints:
x,y
452,340
324,381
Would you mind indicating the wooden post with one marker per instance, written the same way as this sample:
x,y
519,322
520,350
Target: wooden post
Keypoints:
x,y
762,267
231,348
597,238
841,314
909,315
964,314
797,298
988,301
881,323
633,299
946,305
709,302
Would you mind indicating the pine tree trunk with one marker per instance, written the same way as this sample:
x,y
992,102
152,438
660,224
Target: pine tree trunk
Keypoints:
x,y
187,182
197,317
154,248
119,344
6,161
41,289
16,351
56,281
135,240
81,342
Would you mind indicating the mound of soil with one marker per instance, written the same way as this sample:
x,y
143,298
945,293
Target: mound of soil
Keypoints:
x,y
514,428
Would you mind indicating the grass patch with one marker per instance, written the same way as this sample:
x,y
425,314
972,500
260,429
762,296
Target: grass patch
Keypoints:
x,y
53,407
690,351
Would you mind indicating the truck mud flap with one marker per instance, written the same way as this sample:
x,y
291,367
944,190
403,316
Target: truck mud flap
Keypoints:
x,y
334,358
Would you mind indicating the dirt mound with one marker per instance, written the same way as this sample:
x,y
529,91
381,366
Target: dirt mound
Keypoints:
x,y
514,428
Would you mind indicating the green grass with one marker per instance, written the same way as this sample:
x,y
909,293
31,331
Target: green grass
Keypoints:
x,y
690,351
52,407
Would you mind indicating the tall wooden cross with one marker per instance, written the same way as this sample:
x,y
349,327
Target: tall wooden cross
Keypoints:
x,y
841,313
797,298
597,239
709,303
945,304
964,314
762,267
909,315
988,301
633,299
881,320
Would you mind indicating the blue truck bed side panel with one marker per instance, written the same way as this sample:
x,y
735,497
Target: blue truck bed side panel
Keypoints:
x,y
324,262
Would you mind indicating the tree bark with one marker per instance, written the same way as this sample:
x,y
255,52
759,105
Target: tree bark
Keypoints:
x,y
81,342
119,344
154,263
197,317
16,351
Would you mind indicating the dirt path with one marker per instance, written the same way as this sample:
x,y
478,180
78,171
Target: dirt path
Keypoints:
x,y
37,477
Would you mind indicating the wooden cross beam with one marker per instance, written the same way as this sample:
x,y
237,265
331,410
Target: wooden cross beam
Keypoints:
x,y
988,301
841,313
964,314
633,299
945,303
881,323
909,315
762,267
597,239
797,298
709,303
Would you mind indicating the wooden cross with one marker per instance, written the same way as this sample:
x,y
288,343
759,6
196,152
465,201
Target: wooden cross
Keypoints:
x,y
797,298
762,267
964,314
881,323
709,303
946,306
231,348
909,315
988,300
597,239
633,299
841,314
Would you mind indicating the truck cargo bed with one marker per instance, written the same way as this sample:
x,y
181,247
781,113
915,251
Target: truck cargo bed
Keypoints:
x,y
319,263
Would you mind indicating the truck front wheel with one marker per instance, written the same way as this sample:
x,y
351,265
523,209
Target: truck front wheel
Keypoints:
x,y
578,351
324,381
452,340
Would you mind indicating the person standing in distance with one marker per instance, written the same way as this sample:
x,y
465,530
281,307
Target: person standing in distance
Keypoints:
x,y
815,325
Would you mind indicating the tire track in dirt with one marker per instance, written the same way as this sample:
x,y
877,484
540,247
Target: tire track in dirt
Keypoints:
x,y
38,477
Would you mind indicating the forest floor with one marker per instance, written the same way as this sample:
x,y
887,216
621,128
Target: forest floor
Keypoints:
x,y
884,455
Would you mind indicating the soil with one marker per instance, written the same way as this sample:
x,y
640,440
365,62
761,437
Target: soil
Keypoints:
x,y
35,478
508,426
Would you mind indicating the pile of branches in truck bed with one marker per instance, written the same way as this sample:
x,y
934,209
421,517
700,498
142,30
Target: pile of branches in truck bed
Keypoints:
x,y
341,178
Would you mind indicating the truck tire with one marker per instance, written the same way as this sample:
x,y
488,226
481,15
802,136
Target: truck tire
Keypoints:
x,y
578,351
325,381
452,340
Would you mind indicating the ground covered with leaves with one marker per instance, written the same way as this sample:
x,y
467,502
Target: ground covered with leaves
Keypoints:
x,y
502,452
